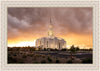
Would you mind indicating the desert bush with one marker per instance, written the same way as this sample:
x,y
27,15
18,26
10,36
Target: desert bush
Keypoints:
x,y
69,61
31,55
11,60
57,61
43,61
72,58
24,56
9,54
35,62
45,49
43,56
32,49
38,55
49,59
10,49
14,55
64,49
34,58
55,49
88,60
20,61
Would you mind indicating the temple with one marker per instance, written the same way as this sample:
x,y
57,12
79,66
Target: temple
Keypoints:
x,y
51,41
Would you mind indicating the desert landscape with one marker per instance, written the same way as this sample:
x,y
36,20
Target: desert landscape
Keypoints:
x,y
34,55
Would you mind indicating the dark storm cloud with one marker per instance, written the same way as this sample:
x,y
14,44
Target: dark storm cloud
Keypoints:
x,y
36,20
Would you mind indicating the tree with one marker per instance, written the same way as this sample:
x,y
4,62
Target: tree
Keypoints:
x,y
77,48
90,49
72,49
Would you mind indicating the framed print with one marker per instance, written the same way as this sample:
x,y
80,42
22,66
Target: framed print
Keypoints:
x,y
49,35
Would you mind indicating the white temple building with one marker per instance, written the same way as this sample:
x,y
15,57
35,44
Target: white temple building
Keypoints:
x,y
51,41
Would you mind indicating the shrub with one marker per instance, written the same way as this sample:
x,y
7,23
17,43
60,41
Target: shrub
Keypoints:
x,y
11,60
57,61
20,61
14,55
30,55
34,58
43,56
24,56
72,49
37,55
35,62
9,49
69,61
88,60
43,61
56,49
45,49
9,54
49,59
72,58
64,49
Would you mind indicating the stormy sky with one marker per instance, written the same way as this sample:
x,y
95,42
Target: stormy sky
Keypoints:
x,y
72,24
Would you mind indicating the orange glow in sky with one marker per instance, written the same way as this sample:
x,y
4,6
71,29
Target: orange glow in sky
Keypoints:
x,y
83,41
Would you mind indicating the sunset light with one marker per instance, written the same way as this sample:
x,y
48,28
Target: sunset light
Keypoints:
x,y
23,44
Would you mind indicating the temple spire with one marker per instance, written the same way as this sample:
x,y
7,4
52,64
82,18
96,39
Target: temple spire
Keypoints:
x,y
50,32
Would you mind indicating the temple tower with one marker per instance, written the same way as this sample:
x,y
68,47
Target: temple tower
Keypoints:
x,y
50,31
